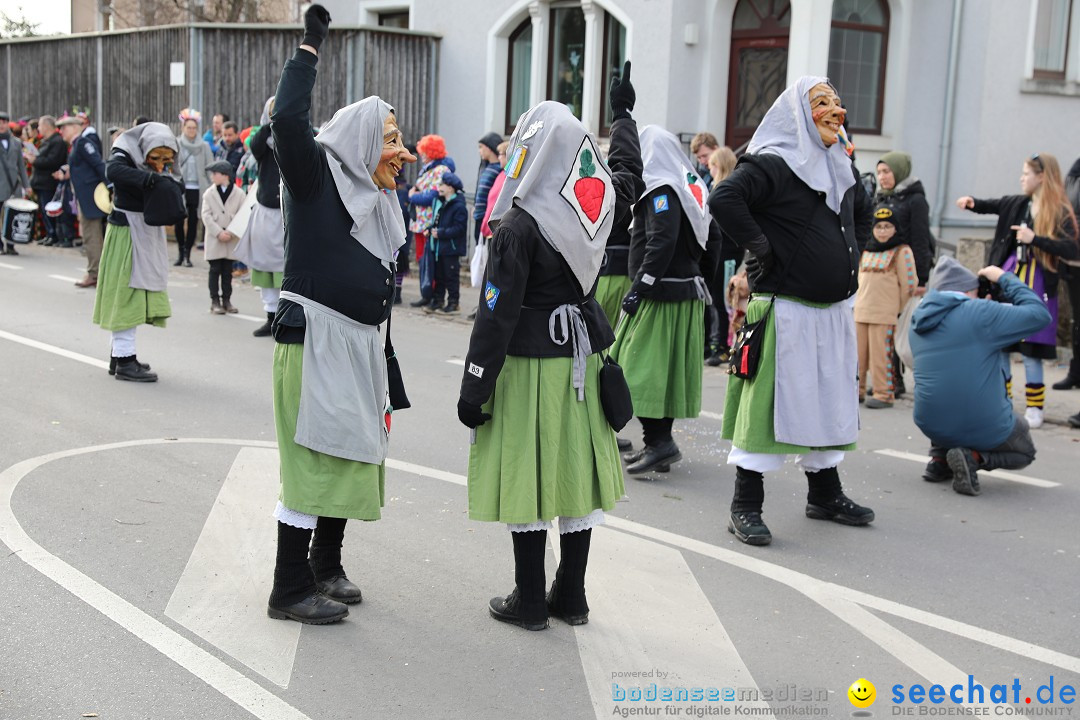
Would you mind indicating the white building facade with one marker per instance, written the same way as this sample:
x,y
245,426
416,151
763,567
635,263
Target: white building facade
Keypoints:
x,y
969,87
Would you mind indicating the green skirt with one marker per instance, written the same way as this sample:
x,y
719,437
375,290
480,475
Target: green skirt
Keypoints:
x,y
117,305
661,350
312,482
610,291
266,279
543,453
748,405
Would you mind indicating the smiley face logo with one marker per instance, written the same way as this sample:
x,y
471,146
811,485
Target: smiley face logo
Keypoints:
x,y
862,693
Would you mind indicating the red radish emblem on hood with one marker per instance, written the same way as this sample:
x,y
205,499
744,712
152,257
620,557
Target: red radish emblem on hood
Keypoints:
x,y
589,190
695,189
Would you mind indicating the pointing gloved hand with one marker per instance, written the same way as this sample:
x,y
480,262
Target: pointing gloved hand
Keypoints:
x,y
316,26
759,266
622,95
470,414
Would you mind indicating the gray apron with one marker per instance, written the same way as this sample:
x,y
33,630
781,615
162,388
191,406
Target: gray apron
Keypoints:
x,y
149,254
343,393
262,246
817,387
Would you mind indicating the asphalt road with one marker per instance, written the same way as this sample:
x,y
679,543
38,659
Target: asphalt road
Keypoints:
x,y
136,548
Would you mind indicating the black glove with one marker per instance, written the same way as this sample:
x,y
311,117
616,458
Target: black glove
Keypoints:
x,y
470,414
630,302
622,95
759,266
316,26
150,180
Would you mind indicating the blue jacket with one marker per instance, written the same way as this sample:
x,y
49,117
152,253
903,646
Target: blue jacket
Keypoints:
x,y
957,342
87,170
452,220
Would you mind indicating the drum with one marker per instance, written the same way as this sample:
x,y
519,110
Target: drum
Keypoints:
x,y
18,220
54,208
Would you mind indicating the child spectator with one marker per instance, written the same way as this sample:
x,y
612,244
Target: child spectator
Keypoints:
x,y
220,203
886,280
449,243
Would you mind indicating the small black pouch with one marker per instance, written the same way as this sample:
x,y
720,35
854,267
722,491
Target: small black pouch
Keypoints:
x,y
615,395
163,202
395,383
746,350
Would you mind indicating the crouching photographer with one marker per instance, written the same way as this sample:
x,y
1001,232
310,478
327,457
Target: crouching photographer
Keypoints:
x,y
957,340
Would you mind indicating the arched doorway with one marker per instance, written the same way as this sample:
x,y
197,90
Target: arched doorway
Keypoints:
x,y
758,67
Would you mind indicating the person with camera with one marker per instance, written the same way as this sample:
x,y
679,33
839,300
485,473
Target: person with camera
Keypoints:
x,y
134,271
1035,232
957,342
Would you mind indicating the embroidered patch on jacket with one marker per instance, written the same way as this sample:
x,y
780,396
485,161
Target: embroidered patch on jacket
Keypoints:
x,y
491,295
476,370
660,204
516,162
588,188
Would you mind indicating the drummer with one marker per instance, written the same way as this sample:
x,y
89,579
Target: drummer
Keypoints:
x,y
13,180
135,260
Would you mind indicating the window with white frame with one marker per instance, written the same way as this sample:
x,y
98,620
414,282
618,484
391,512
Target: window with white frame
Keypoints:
x,y
860,35
1051,41
573,35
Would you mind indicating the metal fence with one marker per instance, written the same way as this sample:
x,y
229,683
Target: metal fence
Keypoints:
x,y
226,68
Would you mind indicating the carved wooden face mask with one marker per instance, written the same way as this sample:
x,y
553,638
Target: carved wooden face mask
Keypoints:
x,y
827,113
159,158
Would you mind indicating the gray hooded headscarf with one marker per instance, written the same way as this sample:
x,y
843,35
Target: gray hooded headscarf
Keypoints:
x,y
264,119
141,139
564,185
788,130
354,141
667,165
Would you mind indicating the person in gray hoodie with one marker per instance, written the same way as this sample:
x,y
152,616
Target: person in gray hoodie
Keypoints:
x,y
960,401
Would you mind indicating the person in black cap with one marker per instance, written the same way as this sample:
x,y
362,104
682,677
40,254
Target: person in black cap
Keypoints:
x,y
13,179
488,147
449,242
219,205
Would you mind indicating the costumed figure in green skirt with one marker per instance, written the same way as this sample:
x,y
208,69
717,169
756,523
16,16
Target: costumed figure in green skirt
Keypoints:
x,y
542,445
262,247
332,393
794,203
134,271
660,343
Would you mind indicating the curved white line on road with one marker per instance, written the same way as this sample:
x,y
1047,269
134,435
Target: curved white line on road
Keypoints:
x,y
231,683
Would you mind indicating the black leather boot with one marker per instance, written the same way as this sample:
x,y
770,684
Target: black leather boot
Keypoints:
x,y
745,521
266,329
130,369
295,596
526,605
825,500
566,599
325,562
656,458
114,360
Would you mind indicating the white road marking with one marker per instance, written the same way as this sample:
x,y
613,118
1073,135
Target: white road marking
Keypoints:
x,y
231,683
647,610
66,278
1002,474
37,345
456,361
711,415
221,596
8,266
249,318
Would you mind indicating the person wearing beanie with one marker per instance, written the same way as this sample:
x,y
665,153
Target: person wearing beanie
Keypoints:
x,y
957,341
447,243
262,247
14,182
886,280
220,204
422,195
488,148
1035,232
334,391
